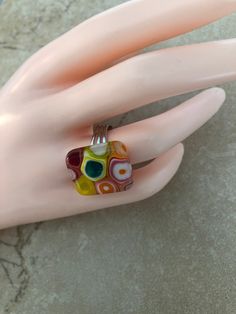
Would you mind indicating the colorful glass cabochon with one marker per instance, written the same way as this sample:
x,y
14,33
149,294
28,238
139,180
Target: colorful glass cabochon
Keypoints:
x,y
100,168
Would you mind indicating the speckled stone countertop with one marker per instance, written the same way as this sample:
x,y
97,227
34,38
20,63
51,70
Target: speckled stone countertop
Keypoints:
x,y
174,253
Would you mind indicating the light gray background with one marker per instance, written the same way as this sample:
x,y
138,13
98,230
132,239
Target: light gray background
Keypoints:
x,y
173,253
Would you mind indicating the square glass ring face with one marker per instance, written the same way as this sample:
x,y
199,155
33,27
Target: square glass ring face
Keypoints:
x,y
100,168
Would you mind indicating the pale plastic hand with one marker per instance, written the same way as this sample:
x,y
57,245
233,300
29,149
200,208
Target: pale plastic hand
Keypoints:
x,y
49,106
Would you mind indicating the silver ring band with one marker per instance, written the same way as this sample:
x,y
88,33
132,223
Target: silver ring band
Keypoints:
x,y
100,134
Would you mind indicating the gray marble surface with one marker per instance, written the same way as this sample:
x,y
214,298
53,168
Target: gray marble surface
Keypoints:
x,y
174,253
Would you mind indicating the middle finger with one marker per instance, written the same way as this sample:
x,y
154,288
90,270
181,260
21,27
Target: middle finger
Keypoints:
x,y
141,80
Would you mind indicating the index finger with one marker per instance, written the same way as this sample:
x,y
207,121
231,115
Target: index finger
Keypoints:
x,y
96,43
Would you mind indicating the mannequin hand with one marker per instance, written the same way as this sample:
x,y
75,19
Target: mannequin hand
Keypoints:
x,y
49,106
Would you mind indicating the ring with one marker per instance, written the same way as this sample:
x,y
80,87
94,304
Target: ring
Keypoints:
x,y
102,167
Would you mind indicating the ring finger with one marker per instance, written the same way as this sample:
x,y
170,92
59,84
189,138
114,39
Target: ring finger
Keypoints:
x,y
148,138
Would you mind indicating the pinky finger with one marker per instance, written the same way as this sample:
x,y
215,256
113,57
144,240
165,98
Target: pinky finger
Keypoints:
x,y
65,201
156,175
148,180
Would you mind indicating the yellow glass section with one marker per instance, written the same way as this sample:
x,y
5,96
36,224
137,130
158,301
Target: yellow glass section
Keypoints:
x,y
85,186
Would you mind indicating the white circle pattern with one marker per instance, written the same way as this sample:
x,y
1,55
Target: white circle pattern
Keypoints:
x,y
72,174
117,171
